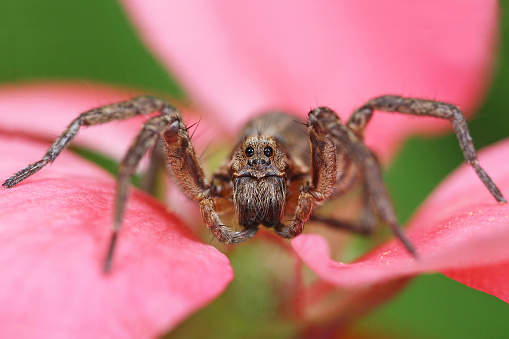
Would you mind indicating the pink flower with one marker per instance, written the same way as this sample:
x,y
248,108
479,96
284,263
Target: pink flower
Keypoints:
x,y
236,60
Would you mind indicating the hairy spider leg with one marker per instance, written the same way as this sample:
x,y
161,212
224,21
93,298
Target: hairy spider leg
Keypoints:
x,y
323,173
191,178
118,111
423,107
353,148
348,174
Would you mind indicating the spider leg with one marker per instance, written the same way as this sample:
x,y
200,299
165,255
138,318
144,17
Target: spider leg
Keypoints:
x,y
349,144
222,232
123,110
191,178
442,110
323,171
151,131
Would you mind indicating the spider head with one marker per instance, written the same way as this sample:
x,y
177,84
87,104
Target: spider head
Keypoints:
x,y
258,157
258,172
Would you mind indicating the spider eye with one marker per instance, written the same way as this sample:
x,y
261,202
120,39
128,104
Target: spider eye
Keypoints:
x,y
268,151
249,151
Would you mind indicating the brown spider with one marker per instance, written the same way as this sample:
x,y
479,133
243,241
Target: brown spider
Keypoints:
x,y
273,170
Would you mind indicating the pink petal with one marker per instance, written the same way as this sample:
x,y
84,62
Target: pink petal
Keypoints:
x,y
460,231
54,234
237,59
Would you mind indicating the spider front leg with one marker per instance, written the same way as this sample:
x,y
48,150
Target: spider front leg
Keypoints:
x,y
119,111
323,172
190,176
442,110
351,146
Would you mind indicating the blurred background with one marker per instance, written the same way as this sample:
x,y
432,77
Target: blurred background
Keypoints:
x,y
93,41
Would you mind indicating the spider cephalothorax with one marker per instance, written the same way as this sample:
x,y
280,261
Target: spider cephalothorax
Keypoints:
x,y
276,174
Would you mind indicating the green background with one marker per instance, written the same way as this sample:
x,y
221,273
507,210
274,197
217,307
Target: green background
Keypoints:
x,y
93,40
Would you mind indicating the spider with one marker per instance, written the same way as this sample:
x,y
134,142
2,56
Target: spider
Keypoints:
x,y
273,174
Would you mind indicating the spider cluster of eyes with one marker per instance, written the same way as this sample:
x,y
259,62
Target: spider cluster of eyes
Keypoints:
x,y
267,151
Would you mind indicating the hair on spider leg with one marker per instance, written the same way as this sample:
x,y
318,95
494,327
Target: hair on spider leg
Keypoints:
x,y
301,123
190,126
305,130
202,155
195,124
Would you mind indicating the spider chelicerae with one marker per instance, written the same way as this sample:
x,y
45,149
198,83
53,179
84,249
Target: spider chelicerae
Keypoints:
x,y
273,174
